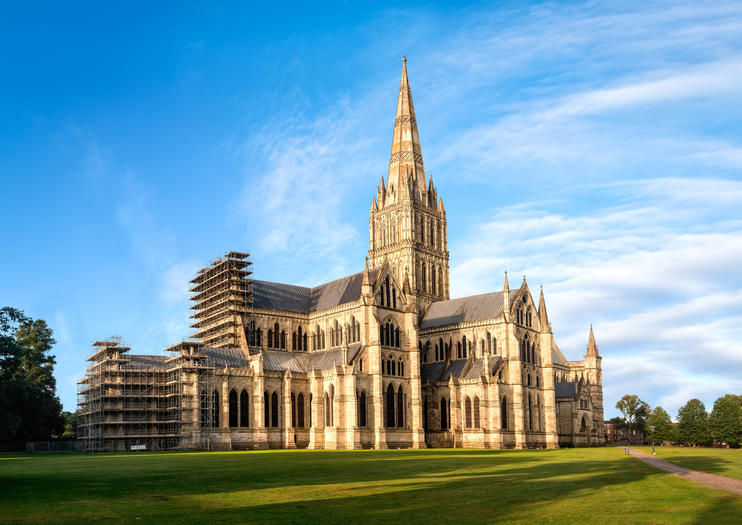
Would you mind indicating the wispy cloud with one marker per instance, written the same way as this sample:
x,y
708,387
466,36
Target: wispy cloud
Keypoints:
x,y
658,278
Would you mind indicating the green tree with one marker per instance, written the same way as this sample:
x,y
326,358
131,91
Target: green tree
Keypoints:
x,y
29,408
70,425
693,424
726,420
660,419
635,412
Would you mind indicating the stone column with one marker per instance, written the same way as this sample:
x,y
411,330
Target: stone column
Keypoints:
x,y
287,430
316,436
260,434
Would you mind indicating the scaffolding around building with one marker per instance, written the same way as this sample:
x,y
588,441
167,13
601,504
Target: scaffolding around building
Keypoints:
x,y
167,402
222,293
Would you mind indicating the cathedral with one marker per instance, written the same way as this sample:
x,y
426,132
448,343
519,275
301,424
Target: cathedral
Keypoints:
x,y
383,358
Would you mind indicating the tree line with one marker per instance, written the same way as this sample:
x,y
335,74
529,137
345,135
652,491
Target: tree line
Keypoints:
x,y
694,426
29,407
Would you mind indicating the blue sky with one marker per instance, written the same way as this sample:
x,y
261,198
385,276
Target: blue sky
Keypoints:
x,y
594,147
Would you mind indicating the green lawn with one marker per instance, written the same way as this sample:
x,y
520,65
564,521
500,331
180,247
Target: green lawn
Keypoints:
x,y
724,461
426,486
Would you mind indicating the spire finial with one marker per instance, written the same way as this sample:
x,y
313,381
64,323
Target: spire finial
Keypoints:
x,y
404,59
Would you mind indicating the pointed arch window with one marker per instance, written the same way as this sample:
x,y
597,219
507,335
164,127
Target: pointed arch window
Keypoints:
x,y
274,410
300,410
266,410
362,410
215,409
504,413
467,411
477,421
444,414
293,410
244,409
390,406
233,409
400,407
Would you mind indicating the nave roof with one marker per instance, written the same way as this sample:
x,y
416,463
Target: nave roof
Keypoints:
x,y
292,298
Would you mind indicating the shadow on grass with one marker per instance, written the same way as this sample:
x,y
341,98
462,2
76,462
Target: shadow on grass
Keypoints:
x,y
338,487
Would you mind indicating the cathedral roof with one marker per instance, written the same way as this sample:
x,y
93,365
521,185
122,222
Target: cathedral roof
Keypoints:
x,y
145,361
439,371
225,357
472,308
564,389
305,362
288,297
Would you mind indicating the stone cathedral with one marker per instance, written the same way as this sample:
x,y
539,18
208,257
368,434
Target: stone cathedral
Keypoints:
x,y
379,359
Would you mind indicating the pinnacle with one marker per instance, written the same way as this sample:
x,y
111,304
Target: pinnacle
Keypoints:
x,y
592,347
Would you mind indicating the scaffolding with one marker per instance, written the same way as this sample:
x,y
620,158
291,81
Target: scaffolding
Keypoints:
x,y
136,403
223,297
120,400
168,402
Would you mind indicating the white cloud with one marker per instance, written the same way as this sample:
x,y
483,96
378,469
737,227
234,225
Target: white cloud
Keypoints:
x,y
175,282
666,302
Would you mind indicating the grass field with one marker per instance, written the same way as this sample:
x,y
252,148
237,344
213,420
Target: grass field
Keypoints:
x,y
426,486
724,461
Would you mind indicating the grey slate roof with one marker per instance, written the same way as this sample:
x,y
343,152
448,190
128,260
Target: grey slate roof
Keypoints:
x,y
145,361
455,370
556,357
463,309
564,389
432,371
438,372
304,362
225,357
287,297
278,296
280,361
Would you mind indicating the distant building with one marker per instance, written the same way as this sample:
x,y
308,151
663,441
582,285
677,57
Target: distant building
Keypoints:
x,y
379,359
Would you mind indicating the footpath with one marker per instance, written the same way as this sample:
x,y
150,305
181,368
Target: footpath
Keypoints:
x,y
711,480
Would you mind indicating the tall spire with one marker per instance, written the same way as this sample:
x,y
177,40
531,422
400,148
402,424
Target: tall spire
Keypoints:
x,y
406,158
592,348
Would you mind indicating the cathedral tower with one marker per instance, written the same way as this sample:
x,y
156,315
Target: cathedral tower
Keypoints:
x,y
407,221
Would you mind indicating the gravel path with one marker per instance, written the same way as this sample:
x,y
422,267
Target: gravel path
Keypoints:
x,y
712,480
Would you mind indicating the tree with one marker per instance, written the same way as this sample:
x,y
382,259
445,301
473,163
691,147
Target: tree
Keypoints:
x,y
726,420
693,423
661,421
70,425
29,408
635,412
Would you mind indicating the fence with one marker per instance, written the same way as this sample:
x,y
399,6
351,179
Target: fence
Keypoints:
x,y
53,446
